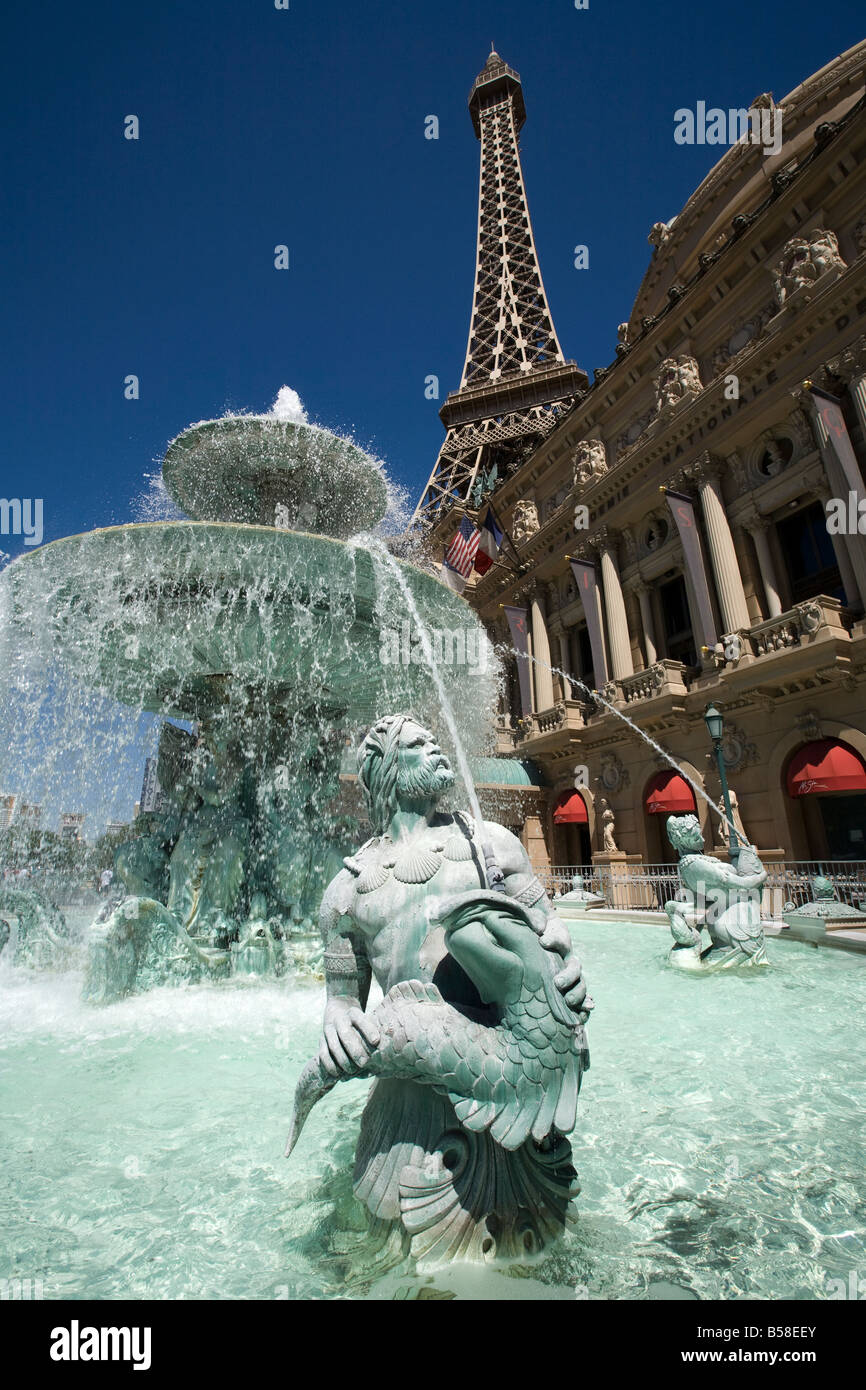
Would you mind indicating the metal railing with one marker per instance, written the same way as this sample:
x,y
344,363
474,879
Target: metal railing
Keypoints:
x,y
650,886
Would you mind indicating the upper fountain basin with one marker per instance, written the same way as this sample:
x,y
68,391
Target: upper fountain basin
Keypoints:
x,y
188,618
260,471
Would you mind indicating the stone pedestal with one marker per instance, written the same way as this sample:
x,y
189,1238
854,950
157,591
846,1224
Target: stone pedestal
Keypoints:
x,y
614,870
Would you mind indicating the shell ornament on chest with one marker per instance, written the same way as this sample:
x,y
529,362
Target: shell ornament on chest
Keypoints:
x,y
415,862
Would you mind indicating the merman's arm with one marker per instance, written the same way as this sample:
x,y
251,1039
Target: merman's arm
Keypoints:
x,y
347,1035
522,883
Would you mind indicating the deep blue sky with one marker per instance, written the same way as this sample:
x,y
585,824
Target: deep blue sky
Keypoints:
x,y
261,126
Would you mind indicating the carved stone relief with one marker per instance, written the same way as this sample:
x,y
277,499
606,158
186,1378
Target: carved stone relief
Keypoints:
x,y
677,380
804,260
524,523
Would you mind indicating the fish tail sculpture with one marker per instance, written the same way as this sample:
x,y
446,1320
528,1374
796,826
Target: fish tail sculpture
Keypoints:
x,y
517,1076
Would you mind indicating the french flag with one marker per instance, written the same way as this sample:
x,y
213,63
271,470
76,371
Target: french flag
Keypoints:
x,y
489,542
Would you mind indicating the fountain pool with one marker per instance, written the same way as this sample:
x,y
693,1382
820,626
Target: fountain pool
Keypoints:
x,y
720,1143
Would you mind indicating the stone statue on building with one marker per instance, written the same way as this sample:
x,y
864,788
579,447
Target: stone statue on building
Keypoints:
x,y
805,259
677,379
735,816
608,827
524,522
660,232
478,1045
725,899
590,461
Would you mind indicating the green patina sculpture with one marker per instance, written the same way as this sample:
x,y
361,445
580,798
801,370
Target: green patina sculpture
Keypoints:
x,y
724,899
42,939
478,1046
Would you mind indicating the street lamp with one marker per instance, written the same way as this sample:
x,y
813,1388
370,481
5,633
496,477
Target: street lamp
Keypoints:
x,y
715,722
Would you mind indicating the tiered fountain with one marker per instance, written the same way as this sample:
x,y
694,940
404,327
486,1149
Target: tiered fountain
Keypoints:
x,y
260,623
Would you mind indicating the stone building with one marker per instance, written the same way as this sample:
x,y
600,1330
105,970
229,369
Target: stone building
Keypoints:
x,y
756,287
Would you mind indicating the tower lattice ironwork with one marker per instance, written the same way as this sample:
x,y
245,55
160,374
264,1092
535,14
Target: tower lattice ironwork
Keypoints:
x,y
516,380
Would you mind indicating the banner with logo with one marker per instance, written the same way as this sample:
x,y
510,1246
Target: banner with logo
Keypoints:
x,y
586,579
683,511
517,626
833,434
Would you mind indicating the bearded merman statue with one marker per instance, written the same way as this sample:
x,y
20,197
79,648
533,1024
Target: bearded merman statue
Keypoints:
x,y
478,1046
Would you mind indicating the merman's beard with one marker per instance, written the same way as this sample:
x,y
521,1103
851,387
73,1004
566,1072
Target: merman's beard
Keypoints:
x,y
427,782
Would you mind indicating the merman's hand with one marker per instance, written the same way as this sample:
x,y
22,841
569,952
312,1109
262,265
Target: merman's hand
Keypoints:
x,y
569,980
348,1037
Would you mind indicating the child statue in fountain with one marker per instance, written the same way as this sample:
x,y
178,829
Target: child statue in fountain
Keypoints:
x,y
378,921
724,898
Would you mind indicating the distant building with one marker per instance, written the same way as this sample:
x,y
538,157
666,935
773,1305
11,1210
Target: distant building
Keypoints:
x,y
115,827
7,810
150,790
71,825
29,813
689,528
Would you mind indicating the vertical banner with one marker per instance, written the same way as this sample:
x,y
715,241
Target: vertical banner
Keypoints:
x,y
833,434
683,511
517,625
586,579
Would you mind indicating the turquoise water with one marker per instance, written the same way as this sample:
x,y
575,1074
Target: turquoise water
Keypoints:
x,y
720,1140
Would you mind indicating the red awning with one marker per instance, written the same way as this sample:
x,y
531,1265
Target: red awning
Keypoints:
x,y
669,794
570,809
825,766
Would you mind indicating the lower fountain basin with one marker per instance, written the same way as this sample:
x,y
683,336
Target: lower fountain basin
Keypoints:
x,y
190,618
719,1140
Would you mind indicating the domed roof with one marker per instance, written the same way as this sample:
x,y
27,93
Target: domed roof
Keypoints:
x,y
507,772
743,178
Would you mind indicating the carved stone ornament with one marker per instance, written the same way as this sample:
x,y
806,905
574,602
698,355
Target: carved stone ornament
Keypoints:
x,y
742,336
804,260
677,380
614,775
630,436
737,749
809,724
859,235
590,461
660,232
524,523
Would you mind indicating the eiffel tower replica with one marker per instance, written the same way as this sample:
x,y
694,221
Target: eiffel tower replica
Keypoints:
x,y
516,381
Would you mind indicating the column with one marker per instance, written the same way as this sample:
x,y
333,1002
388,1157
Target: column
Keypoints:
x,y
542,676
758,531
646,618
723,552
614,606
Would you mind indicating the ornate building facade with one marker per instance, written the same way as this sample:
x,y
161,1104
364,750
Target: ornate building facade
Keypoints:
x,y
756,287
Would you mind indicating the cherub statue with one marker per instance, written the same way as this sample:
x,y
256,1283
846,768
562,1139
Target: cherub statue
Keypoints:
x,y
478,1043
724,898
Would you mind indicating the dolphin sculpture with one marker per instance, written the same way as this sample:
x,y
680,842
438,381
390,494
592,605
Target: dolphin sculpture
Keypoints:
x,y
517,1076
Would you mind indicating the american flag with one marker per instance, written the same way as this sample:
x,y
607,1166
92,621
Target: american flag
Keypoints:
x,y
460,555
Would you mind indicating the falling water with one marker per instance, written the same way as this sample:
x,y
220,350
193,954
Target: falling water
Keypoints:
x,y
596,695
427,648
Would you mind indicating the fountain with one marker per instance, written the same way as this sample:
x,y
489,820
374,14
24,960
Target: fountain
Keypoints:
x,y
260,624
